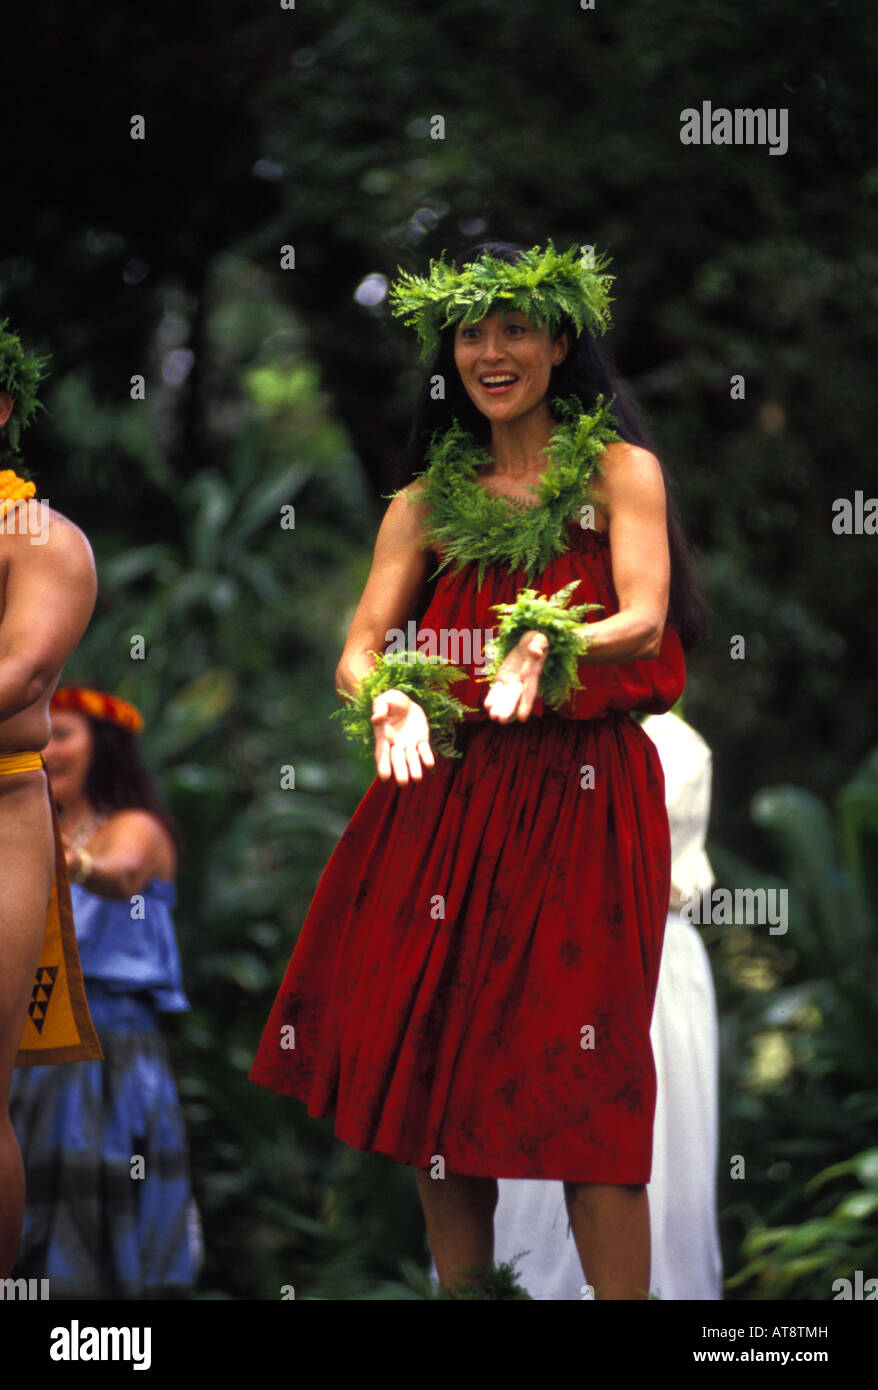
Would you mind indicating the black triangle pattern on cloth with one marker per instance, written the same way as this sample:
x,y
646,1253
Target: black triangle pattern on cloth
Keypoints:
x,y
44,983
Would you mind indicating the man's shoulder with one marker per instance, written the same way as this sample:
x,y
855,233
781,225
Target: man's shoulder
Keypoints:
x,y
68,530
67,541
45,542
33,520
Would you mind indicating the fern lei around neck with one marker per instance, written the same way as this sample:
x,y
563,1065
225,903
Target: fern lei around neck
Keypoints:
x,y
469,523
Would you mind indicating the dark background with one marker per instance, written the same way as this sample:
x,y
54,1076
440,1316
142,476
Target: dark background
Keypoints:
x,y
311,127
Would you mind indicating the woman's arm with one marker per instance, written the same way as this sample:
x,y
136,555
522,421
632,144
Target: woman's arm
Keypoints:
x,y
632,496
399,568
129,849
632,492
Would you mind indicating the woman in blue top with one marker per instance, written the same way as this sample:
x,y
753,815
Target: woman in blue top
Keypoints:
x,y
110,1212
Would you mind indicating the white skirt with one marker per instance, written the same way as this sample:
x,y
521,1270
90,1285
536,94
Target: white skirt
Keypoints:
x,y
531,1213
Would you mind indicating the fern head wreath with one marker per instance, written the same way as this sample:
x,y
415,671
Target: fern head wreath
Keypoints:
x,y
545,285
20,376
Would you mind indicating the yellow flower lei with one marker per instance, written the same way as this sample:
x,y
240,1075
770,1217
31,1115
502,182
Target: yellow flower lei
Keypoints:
x,y
13,489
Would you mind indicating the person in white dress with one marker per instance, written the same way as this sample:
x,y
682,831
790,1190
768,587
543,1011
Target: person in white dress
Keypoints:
x,y
531,1214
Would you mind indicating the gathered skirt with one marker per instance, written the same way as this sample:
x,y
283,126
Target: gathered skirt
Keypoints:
x,y
473,985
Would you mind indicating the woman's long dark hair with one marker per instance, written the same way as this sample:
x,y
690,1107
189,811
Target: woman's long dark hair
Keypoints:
x,y
586,373
118,779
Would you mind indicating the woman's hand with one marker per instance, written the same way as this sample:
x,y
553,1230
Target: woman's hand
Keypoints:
x,y
402,737
517,682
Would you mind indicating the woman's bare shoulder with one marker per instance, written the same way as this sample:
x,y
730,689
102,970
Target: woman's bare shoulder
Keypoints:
x,y
136,830
407,515
631,472
412,493
622,455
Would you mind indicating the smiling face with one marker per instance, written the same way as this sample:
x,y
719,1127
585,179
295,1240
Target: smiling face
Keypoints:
x,y
68,754
505,362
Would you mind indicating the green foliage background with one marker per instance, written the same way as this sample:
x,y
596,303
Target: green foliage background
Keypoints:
x,y
270,388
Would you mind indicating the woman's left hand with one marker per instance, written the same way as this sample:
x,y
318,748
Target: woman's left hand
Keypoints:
x,y
516,685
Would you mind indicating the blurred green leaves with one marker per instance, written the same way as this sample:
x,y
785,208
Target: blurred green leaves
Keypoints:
x,y
799,1087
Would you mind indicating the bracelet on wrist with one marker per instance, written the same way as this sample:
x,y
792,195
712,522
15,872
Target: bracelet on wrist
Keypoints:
x,y
425,679
563,626
84,868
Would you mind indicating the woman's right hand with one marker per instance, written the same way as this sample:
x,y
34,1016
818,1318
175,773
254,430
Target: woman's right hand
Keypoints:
x,y
402,737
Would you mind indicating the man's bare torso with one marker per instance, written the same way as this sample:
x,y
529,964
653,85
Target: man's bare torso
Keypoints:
x,y
54,586
30,729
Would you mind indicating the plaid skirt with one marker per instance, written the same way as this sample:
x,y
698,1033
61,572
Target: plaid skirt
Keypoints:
x,y
109,1206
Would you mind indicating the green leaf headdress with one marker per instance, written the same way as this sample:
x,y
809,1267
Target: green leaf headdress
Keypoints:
x,y
20,374
546,286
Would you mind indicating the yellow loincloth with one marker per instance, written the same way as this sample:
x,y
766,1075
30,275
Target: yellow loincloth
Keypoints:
x,y
58,1027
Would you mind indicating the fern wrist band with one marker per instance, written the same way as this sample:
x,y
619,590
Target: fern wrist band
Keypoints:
x,y
562,625
425,680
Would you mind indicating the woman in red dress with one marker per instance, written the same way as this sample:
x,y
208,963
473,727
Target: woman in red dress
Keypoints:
x,y
472,988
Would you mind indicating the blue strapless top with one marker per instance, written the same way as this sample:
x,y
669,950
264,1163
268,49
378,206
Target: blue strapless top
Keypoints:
x,y
131,953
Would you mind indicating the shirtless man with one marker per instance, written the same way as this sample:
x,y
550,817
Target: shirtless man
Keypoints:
x,y
48,586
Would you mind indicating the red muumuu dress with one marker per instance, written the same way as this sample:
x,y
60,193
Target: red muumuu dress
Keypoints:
x,y
475,977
